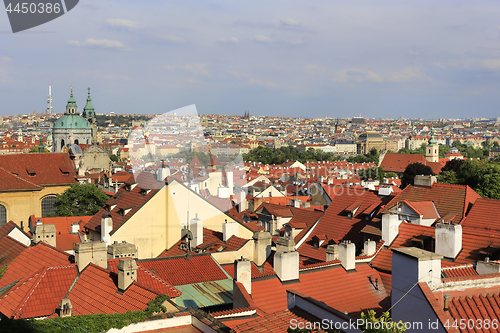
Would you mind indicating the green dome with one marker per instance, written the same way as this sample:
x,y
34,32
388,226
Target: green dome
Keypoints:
x,y
433,140
71,100
71,121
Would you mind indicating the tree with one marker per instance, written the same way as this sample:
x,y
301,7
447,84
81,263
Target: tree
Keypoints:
x,y
391,174
113,157
384,324
413,170
80,200
372,173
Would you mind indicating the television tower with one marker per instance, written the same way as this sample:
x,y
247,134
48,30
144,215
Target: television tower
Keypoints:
x,y
49,101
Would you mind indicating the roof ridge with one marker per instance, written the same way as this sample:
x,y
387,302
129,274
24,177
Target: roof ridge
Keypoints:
x,y
161,280
51,247
17,177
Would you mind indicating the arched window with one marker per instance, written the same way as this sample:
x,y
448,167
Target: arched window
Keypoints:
x,y
76,141
3,215
62,144
48,205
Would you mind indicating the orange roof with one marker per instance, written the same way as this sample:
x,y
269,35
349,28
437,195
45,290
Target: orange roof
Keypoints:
x,y
398,162
185,270
483,218
104,297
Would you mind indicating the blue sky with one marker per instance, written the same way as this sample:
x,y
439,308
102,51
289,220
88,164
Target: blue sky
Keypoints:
x,y
431,59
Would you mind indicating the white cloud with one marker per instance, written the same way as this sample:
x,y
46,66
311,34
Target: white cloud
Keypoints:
x,y
406,74
232,40
199,69
172,39
263,39
170,68
372,76
123,23
261,82
313,68
5,59
289,21
90,42
296,42
491,63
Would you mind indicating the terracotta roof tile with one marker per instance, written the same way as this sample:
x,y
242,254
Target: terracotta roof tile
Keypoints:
x,y
181,270
9,250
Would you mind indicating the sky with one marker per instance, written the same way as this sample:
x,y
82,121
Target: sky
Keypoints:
x,y
377,59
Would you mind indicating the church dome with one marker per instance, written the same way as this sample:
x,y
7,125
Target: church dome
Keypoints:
x,y
71,121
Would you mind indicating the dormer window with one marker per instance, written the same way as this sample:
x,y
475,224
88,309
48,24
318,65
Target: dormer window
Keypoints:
x,y
31,171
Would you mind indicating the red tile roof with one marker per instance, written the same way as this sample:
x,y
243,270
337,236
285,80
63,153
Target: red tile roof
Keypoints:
x,y
104,297
148,279
35,170
267,270
335,223
65,240
333,286
31,260
398,162
181,270
449,199
38,295
212,242
9,250
425,208
459,271
483,218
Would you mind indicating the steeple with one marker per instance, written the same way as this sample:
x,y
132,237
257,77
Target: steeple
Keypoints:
x,y
88,110
433,140
71,107
432,150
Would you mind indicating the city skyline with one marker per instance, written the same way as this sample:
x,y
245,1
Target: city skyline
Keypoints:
x,y
315,59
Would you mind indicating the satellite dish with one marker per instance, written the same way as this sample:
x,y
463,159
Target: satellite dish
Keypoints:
x,y
184,178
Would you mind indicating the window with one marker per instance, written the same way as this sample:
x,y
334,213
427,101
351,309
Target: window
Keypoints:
x,y
3,215
48,206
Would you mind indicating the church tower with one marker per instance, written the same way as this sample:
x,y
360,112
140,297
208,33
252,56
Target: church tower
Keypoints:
x,y
89,114
432,149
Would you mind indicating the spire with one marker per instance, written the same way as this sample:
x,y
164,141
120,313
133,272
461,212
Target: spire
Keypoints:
x,y
71,101
88,110
433,140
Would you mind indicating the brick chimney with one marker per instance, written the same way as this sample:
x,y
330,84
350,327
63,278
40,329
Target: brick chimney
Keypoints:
x,y
285,244
122,250
347,255
448,239
262,247
127,273
91,252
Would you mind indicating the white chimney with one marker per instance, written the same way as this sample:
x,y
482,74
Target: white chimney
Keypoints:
x,y
347,255
229,229
369,247
262,247
448,239
163,172
196,227
243,273
390,228
91,252
286,265
230,181
75,227
127,273
487,267
332,252
106,228
427,181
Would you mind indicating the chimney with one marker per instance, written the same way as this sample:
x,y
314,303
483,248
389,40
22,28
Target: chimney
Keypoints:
x,y
410,266
196,227
91,252
286,265
127,273
369,247
262,247
121,250
347,255
427,181
229,229
487,267
65,308
448,239
243,273
297,203
230,181
74,228
332,252
390,228
446,302
163,172
285,244
243,204
106,228
45,233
